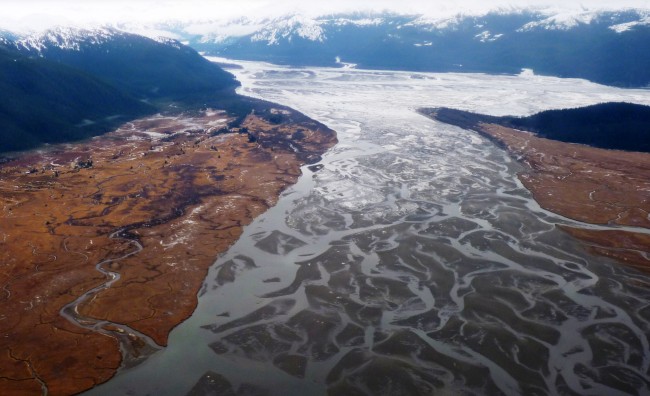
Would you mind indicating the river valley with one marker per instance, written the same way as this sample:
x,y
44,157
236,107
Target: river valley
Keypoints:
x,y
410,260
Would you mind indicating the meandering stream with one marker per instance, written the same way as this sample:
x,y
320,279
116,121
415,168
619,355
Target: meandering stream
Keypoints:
x,y
413,262
135,346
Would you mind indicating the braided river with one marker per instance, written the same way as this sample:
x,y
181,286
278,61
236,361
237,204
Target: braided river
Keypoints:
x,y
409,261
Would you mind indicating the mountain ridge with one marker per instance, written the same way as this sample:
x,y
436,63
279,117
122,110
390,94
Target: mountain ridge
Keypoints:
x,y
146,68
608,47
68,84
45,102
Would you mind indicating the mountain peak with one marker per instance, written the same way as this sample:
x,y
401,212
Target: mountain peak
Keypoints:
x,y
67,38
168,41
618,21
289,28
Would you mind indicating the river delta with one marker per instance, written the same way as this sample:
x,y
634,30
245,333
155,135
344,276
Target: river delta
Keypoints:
x,y
411,260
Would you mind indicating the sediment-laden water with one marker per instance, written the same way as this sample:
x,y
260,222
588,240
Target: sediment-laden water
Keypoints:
x,y
413,263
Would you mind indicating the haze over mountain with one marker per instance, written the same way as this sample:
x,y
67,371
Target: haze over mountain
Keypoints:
x,y
603,41
43,14
609,47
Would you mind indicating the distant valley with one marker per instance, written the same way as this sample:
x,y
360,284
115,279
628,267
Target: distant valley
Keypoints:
x,y
608,47
109,75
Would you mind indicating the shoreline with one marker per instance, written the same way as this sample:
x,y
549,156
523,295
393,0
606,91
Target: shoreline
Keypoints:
x,y
182,187
587,184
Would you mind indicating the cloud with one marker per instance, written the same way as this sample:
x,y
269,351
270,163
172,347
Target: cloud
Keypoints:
x,y
38,14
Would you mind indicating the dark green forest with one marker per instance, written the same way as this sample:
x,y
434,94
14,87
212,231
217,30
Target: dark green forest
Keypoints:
x,y
58,95
614,125
620,126
45,102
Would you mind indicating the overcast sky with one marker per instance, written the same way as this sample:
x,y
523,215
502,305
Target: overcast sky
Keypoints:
x,y
38,14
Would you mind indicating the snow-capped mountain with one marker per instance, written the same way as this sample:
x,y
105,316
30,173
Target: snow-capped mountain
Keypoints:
x,y
78,39
289,28
610,47
65,83
142,66
67,38
612,20
297,27
294,26
42,101
7,38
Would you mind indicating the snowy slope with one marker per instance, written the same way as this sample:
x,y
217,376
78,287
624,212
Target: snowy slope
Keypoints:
x,y
76,39
294,26
289,28
610,47
66,38
607,46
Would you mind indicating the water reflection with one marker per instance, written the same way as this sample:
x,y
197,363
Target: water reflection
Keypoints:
x,y
414,262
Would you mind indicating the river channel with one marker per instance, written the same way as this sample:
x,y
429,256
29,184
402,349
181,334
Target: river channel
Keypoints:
x,y
410,261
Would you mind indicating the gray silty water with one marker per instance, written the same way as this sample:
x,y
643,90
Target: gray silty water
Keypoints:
x,y
413,262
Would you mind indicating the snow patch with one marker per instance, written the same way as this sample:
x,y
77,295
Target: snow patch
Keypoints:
x,y
168,41
527,73
359,22
624,27
431,24
152,32
486,36
562,21
290,28
345,65
67,38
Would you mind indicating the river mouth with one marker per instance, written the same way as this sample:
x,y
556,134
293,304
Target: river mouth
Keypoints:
x,y
412,262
